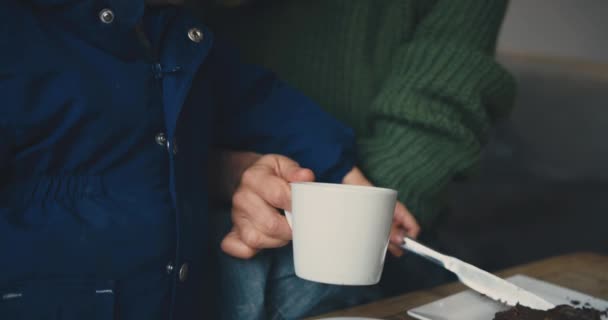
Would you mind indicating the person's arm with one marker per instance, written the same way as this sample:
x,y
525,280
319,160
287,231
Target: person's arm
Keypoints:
x,y
434,110
300,142
259,185
261,114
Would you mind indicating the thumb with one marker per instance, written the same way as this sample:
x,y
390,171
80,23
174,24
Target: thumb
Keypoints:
x,y
234,246
301,175
292,172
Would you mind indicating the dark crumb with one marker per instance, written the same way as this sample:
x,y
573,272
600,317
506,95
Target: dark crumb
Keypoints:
x,y
561,312
575,302
587,304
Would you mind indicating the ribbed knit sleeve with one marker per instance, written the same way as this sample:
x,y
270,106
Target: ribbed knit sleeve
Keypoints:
x,y
432,115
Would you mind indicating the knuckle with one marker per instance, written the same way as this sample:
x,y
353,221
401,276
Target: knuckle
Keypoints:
x,y
238,219
238,198
279,196
272,157
272,226
269,156
276,196
249,176
252,238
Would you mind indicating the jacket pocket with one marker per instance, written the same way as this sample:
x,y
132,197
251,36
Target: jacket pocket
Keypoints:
x,y
58,299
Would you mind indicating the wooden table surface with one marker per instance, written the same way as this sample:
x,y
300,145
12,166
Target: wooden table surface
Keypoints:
x,y
584,272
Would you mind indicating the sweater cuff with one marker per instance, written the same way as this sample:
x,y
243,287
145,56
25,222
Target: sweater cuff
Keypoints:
x,y
416,163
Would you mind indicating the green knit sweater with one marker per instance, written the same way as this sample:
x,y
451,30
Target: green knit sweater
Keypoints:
x,y
415,79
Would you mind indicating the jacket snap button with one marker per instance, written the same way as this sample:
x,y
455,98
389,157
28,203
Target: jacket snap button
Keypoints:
x,y
183,272
195,34
161,139
106,16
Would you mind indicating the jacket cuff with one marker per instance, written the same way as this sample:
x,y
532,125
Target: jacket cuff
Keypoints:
x,y
331,160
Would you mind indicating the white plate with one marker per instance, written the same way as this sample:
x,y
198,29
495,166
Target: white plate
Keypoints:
x,y
469,305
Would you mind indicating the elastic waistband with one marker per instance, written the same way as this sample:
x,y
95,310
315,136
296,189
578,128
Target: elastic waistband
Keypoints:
x,y
54,188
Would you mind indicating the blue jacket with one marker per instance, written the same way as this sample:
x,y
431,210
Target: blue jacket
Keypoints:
x,y
105,128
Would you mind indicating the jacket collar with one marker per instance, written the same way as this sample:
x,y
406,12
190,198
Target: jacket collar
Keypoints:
x,y
127,12
83,18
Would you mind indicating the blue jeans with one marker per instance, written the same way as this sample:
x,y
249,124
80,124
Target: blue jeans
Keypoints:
x,y
266,287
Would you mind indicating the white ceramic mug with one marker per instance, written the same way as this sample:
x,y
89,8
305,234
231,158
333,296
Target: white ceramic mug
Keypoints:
x,y
340,232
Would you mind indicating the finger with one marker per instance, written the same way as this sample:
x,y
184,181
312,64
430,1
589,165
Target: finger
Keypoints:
x,y
255,239
397,234
234,246
395,250
250,208
301,175
356,177
290,170
406,220
267,185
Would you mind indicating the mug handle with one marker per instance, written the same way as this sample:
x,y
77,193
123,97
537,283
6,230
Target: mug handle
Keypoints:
x,y
289,217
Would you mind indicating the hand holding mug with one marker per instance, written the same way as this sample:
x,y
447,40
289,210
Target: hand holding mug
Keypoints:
x,y
404,223
264,187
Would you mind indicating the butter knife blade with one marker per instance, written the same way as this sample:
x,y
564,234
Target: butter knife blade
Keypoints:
x,y
479,280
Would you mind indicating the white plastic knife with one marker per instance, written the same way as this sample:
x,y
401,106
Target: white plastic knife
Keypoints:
x,y
480,280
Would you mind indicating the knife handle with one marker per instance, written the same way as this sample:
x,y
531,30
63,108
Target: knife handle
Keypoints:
x,y
427,253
